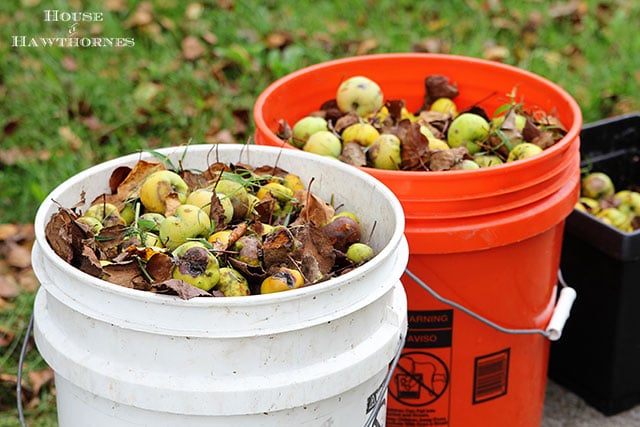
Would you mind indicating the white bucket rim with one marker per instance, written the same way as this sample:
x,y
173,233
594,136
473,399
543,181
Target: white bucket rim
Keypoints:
x,y
49,205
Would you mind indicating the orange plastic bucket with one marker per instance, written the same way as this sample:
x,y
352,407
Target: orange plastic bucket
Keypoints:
x,y
484,244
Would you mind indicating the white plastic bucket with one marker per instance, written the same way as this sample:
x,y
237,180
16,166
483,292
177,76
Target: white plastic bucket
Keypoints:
x,y
315,356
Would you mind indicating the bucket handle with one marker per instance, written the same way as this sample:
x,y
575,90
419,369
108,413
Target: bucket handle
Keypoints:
x,y
373,416
23,352
553,331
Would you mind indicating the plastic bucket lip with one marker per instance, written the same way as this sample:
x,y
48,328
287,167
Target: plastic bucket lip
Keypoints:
x,y
489,231
537,90
385,253
461,208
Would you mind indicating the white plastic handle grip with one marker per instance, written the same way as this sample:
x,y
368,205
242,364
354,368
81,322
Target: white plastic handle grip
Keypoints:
x,y
561,313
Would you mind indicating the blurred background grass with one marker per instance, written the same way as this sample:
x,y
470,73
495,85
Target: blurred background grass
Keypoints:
x,y
197,67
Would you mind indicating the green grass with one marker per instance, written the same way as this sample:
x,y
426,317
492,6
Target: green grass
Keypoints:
x,y
63,110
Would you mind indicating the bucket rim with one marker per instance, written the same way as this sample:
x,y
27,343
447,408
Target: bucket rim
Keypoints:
x,y
50,205
573,132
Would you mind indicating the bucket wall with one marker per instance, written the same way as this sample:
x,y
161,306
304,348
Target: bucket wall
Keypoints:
x,y
487,239
456,370
311,356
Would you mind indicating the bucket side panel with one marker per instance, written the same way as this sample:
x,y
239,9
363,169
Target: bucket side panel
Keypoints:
x,y
80,408
456,370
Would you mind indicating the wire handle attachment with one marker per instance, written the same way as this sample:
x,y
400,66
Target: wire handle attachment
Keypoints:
x,y
554,328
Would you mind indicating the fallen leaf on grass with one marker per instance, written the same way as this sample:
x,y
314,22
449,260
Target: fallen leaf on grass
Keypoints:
x,y
38,379
192,48
27,280
16,255
11,126
69,63
14,155
8,231
69,136
194,11
143,15
6,336
9,287
279,39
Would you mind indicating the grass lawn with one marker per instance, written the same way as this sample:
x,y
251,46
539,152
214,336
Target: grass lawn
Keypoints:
x,y
190,72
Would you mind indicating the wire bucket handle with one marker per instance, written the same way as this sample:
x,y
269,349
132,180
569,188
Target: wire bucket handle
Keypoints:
x,y
554,328
372,420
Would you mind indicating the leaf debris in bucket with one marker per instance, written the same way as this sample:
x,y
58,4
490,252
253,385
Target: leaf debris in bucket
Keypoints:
x,y
231,230
384,134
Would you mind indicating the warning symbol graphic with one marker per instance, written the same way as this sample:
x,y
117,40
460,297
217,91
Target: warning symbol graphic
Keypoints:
x,y
420,379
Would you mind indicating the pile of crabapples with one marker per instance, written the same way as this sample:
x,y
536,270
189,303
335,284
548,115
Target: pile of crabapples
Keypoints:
x,y
620,209
361,128
233,230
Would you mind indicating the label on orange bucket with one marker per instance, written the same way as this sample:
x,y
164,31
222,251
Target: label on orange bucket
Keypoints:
x,y
490,376
420,383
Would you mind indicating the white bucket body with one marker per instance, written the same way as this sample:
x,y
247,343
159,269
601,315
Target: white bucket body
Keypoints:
x,y
315,356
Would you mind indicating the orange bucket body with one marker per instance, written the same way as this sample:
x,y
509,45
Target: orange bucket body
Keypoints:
x,y
456,370
487,239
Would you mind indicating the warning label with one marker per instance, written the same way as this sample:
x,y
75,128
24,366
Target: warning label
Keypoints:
x,y
419,390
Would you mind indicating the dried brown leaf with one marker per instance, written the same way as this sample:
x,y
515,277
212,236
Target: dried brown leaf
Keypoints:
x,y
118,175
130,186
11,126
192,48
315,245
214,171
345,121
115,5
279,39
431,45
210,37
143,15
89,262
7,336
445,159
276,248
414,151
223,136
9,287
39,379
366,46
14,155
27,280
314,209
8,231
180,288
160,267
126,274
530,131
353,154
16,255
69,136
438,86
216,213
495,53
58,234
69,63
544,140
194,11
